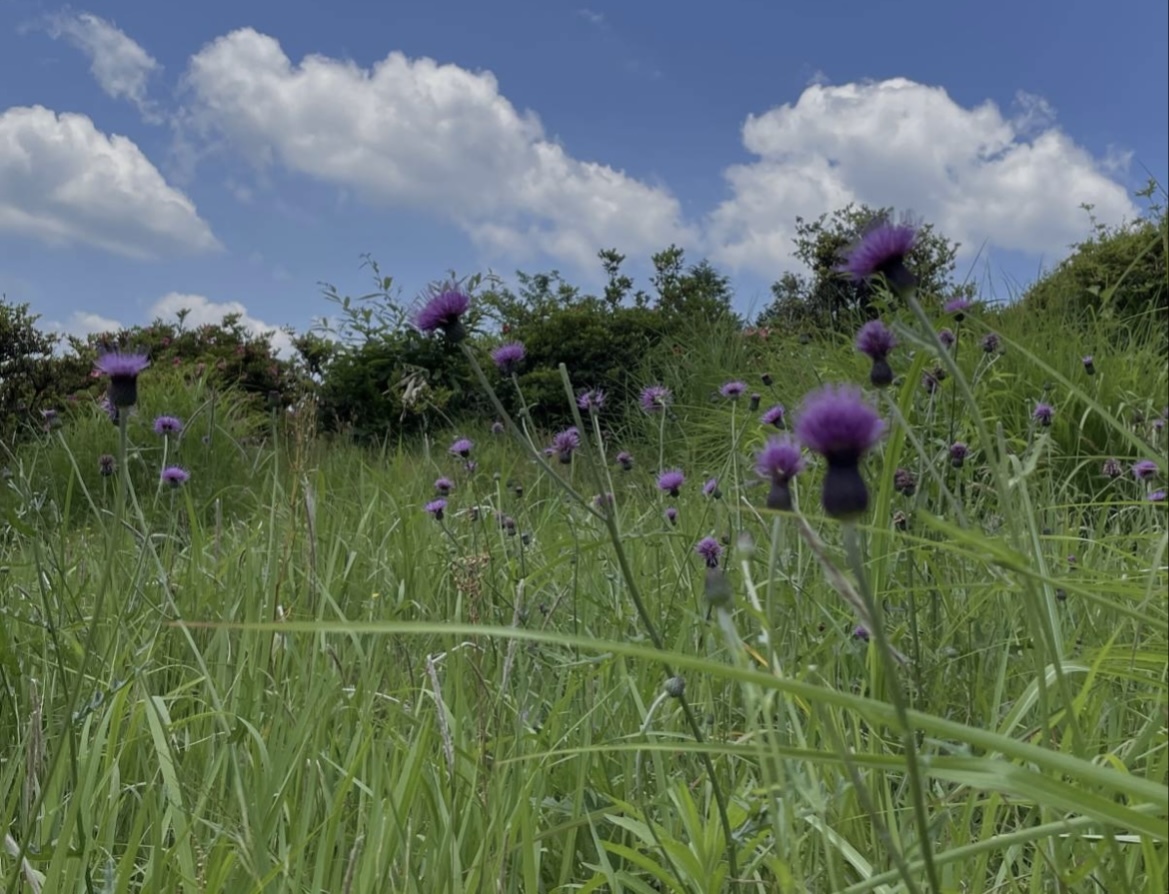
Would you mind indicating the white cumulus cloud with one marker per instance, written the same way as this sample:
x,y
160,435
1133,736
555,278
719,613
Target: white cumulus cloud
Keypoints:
x,y
65,182
979,175
203,311
121,67
416,133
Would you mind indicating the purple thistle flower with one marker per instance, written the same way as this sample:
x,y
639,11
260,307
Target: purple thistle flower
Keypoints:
x,y
1043,413
860,632
174,476
123,370
710,488
1090,365
775,416
876,340
958,307
625,460
710,550
168,425
671,482
882,249
958,454
106,465
444,486
591,401
508,357
671,515
733,390
904,482
1111,468
470,466
497,427
462,447
1144,469
603,501
1157,496
947,338
780,460
655,398
444,311
436,508
564,443
991,342
837,423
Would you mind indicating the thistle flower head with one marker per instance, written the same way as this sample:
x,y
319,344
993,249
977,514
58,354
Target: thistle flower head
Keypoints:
x,y
875,340
882,249
655,398
958,307
123,370
436,508
991,342
625,460
671,482
733,390
904,482
710,488
775,416
1089,365
836,422
444,311
1043,413
565,442
947,337
1144,469
1156,496
780,459
671,515
174,476
462,447
508,357
168,425
444,485
497,427
1111,468
710,550
591,401
106,465
958,454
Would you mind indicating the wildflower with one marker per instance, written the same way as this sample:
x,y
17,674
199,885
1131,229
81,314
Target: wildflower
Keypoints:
x,y
444,311
710,489
508,357
1043,414
603,501
462,447
470,466
625,460
836,423
774,416
106,465
882,249
958,454
671,515
1090,365
671,482
497,427
733,390
904,482
174,476
1157,496
564,443
860,632
508,524
958,307
436,508
931,379
780,460
991,342
167,425
123,370
444,486
655,398
947,338
1111,468
753,403
876,340
1144,469
591,401
710,550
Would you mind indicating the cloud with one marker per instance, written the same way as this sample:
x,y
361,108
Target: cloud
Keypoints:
x,y
64,182
414,133
1014,183
203,311
120,66
82,323
597,19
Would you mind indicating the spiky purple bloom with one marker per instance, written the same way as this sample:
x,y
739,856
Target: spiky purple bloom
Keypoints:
x,y
733,390
444,311
497,427
671,515
106,465
508,357
436,508
174,476
625,460
603,501
591,401
444,486
958,307
860,632
710,488
1144,469
123,370
1157,496
780,460
837,423
655,398
168,425
462,447
876,340
904,482
1043,413
710,550
775,416
1090,365
1111,468
947,338
958,454
882,249
671,482
564,443
991,342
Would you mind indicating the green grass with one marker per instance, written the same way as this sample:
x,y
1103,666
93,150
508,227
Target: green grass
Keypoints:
x,y
286,677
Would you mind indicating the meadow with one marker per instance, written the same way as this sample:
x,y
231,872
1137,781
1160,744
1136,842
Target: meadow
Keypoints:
x,y
497,659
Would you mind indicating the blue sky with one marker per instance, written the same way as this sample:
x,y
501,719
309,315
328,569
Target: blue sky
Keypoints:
x,y
230,156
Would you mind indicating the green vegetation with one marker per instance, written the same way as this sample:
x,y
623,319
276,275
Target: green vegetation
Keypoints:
x,y
286,675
